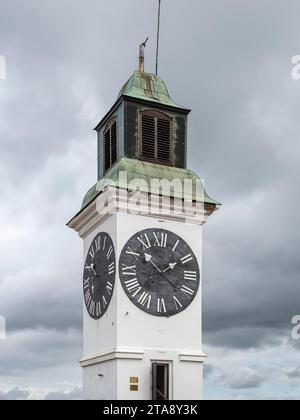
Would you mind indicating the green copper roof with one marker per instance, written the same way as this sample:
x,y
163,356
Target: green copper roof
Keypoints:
x,y
135,175
148,87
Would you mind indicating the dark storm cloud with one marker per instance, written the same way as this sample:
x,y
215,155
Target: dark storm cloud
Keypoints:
x,y
253,291
227,60
38,349
243,337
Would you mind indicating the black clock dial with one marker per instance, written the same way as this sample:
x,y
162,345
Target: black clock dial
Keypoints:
x,y
159,272
99,275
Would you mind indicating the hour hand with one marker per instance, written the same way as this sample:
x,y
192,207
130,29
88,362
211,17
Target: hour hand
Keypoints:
x,y
149,259
171,267
92,268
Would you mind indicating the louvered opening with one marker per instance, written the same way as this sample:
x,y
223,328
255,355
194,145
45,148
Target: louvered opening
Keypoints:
x,y
163,140
107,150
110,145
156,137
148,137
113,143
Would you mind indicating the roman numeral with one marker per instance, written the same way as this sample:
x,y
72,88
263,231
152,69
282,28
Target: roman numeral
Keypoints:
x,y
190,275
92,308
133,286
187,259
177,303
110,251
109,288
145,299
128,270
87,298
92,252
144,240
104,243
98,243
104,302
175,246
111,268
161,306
130,252
98,309
187,291
160,239
86,283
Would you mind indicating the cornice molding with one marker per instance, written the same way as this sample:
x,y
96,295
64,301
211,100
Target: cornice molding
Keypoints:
x,y
114,200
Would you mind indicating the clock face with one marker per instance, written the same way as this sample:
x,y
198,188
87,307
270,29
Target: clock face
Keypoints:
x,y
159,272
99,275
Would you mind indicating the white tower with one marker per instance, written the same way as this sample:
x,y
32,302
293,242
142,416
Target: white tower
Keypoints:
x,y
141,226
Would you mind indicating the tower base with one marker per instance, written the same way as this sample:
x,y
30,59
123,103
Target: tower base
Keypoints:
x,y
143,375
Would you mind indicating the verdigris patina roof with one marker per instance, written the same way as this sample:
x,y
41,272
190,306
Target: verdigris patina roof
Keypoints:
x,y
149,87
149,177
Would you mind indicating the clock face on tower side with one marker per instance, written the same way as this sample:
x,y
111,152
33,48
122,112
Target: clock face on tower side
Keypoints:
x,y
159,272
99,275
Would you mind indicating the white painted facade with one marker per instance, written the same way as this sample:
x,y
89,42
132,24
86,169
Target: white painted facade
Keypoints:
x,y
126,340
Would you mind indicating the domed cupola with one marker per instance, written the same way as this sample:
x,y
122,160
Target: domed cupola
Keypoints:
x,y
144,124
148,87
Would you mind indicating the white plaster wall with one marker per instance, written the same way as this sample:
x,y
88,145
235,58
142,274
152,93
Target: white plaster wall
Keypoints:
x,y
102,387
136,368
185,377
188,381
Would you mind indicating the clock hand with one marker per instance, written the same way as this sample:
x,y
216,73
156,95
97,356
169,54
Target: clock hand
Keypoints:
x,y
92,268
171,267
170,282
148,258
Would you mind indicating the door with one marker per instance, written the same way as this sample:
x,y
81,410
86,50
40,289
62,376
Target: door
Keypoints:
x,y
160,381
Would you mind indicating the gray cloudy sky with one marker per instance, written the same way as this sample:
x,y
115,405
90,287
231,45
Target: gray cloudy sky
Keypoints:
x,y
230,61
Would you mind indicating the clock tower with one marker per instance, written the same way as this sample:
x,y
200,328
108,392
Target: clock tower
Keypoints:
x,y
141,226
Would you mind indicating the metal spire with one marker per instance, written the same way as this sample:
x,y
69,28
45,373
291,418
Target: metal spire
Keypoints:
x,y
142,56
158,33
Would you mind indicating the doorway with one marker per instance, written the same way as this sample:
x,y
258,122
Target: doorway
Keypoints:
x,y
160,381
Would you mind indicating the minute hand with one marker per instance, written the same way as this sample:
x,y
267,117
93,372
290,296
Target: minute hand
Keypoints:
x,y
148,258
170,282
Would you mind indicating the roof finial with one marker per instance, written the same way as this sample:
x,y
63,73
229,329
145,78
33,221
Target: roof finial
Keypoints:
x,y
142,56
